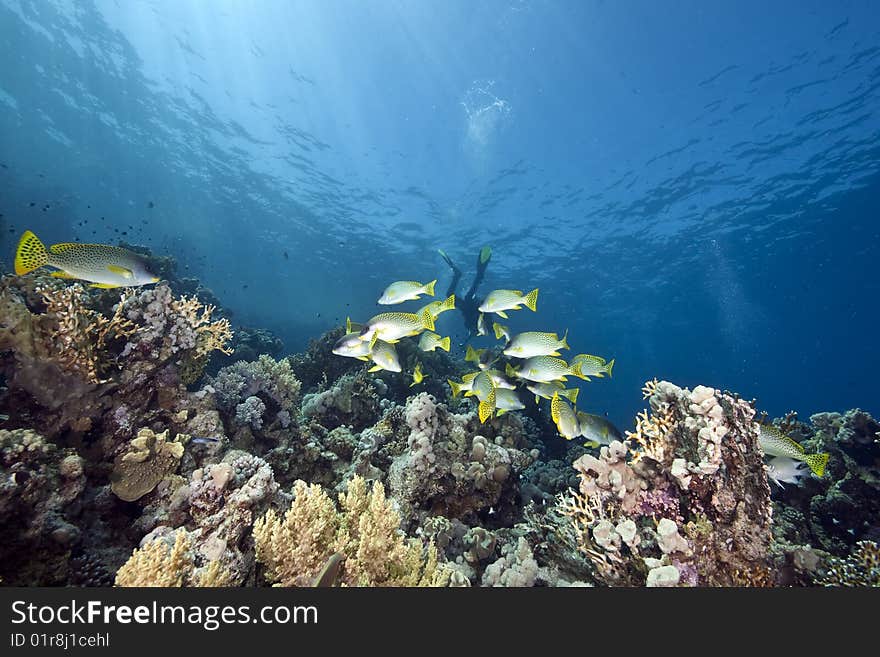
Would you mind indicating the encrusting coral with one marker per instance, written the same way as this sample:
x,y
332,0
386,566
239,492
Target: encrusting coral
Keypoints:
x,y
151,456
365,531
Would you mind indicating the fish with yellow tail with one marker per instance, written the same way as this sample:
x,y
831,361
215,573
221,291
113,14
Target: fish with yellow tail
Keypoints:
x,y
350,345
436,308
564,417
429,341
546,390
593,365
401,291
391,327
483,358
544,369
484,390
776,443
384,355
535,343
500,301
501,331
507,400
102,265
417,375
597,430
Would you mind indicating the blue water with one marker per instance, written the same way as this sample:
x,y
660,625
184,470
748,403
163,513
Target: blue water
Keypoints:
x,y
693,186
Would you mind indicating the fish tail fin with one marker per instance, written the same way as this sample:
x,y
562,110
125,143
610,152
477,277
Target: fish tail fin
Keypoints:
x,y
487,406
592,444
531,300
428,320
571,394
563,344
444,344
31,254
817,463
509,371
496,327
608,366
456,388
449,303
470,354
429,288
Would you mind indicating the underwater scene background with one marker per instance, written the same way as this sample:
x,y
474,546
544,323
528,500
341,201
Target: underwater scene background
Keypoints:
x,y
693,188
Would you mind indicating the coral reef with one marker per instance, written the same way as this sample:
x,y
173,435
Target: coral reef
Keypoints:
x,y
689,505
135,457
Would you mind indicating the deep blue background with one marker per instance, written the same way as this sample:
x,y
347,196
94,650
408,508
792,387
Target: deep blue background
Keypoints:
x,y
693,186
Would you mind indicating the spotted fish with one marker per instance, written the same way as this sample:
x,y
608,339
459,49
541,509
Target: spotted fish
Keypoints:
x,y
101,265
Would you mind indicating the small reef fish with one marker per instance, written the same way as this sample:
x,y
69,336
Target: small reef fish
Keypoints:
x,y
507,400
384,355
535,343
782,469
544,369
775,443
438,307
593,365
546,390
102,265
204,440
405,291
498,301
417,375
391,327
481,324
350,345
429,341
484,390
597,430
501,331
564,417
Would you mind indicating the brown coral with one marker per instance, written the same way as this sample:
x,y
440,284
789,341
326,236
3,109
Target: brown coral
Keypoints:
x,y
150,458
158,565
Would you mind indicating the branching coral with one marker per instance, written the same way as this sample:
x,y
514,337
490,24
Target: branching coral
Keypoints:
x,y
365,531
158,564
861,568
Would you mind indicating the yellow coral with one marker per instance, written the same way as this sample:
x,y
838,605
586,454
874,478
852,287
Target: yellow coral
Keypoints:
x,y
151,456
156,564
365,531
649,436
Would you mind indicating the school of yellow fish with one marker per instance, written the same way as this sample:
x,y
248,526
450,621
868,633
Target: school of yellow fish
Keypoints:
x,y
532,359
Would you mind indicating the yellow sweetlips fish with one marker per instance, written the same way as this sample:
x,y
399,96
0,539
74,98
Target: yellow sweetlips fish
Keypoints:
x,y
350,345
484,390
401,291
438,307
467,383
498,301
391,327
593,365
597,430
776,443
507,400
101,265
384,355
564,417
544,369
546,390
429,341
535,343
501,331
